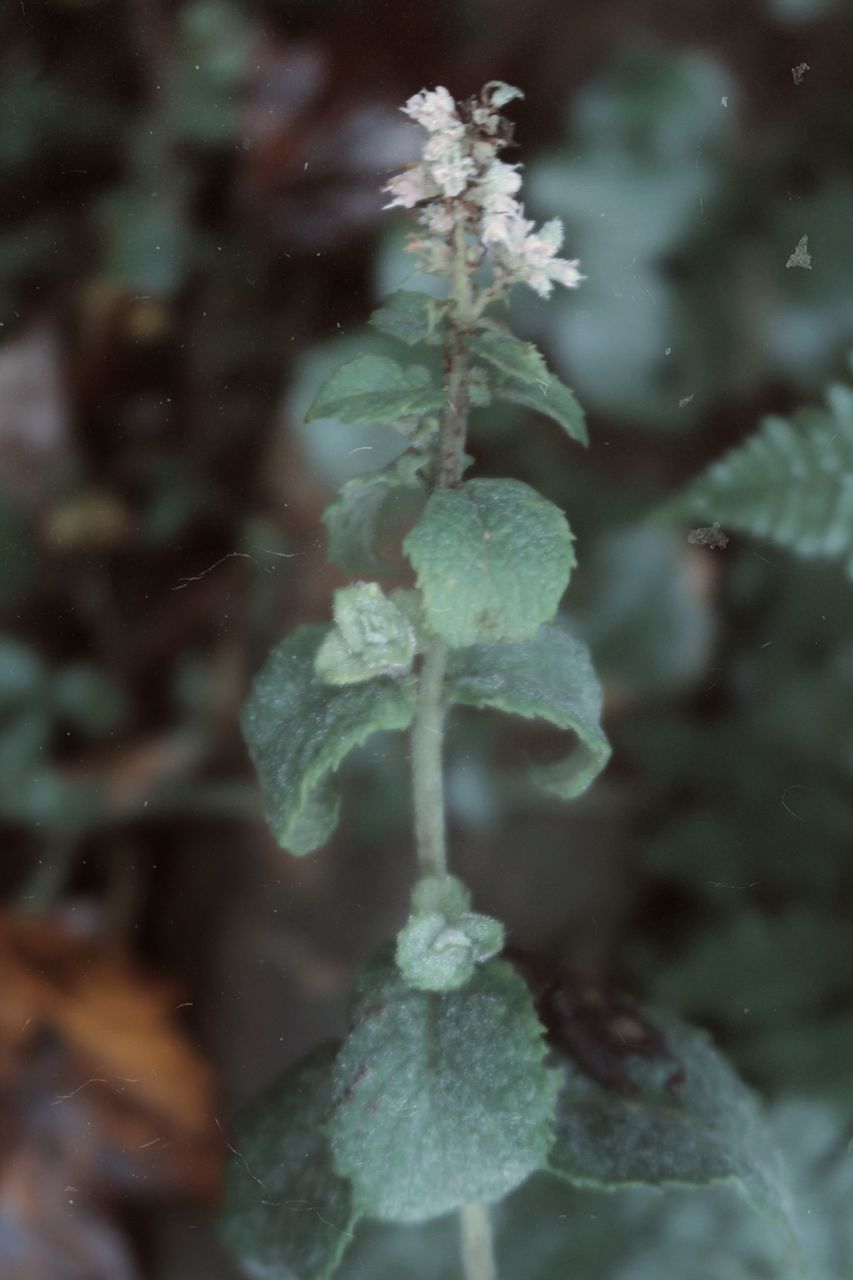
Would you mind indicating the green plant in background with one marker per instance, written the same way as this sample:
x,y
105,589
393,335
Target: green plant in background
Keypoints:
x,y
444,1097
791,483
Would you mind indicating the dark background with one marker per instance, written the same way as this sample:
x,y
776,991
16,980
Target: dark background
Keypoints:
x,y
191,235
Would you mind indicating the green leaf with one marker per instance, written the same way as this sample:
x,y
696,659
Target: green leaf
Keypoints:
x,y
299,729
525,379
553,398
547,1230
440,1099
372,637
509,355
549,677
411,316
286,1214
711,1131
791,483
493,558
367,508
375,389
443,940
434,955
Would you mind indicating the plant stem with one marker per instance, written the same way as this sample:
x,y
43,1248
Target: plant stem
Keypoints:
x,y
456,367
478,1258
427,742
428,727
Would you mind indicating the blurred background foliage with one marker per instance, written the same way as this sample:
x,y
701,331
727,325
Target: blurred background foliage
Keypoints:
x,y
191,235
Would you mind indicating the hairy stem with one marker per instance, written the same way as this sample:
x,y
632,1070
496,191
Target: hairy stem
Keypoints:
x,y
427,742
428,726
457,367
478,1259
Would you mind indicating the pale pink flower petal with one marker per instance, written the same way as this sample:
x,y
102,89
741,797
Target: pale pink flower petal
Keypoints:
x,y
409,187
434,109
438,219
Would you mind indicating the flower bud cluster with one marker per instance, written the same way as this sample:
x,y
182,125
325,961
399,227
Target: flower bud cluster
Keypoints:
x,y
461,180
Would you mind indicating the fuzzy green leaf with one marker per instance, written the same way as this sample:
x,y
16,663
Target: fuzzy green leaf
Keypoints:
x,y
366,508
710,1131
443,940
299,729
411,316
493,558
791,483
440,1099
375,389
525,379
372,637
286,1214
549,677
553,398
512,357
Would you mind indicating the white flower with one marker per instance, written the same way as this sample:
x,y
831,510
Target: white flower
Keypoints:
x,y
484,150
540,248
438,219
508,228
435,110
409,187
499,94
448,164
543,267
565,271
495,193
499,180
461,160
485,118
495,95
530,256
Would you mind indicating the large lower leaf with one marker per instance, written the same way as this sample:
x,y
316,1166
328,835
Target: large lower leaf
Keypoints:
x,y
286,1214
299,729
549,677
710,1130
375,389
524,378
493,558
791,483
440,1098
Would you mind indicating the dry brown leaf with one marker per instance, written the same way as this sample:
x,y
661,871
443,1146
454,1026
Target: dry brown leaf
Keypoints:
x,y
121,1052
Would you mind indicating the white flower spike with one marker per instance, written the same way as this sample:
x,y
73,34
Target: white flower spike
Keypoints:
x,y
460,180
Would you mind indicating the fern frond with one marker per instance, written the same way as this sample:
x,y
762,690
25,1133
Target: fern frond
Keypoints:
x,y
791,483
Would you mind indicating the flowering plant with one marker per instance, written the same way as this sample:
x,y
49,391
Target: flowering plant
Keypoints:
x,y
444,1095
461,181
